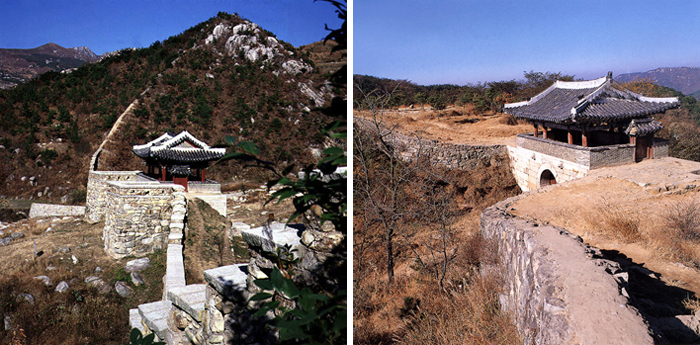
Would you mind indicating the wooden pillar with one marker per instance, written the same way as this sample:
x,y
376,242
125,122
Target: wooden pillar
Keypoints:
x,y
570,138
584,138
162,172
545,134
536,129
650,146
203,173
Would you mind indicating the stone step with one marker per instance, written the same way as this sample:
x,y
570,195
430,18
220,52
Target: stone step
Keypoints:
x,y
281,235
175,238
190,298
228,280
155,316
135,320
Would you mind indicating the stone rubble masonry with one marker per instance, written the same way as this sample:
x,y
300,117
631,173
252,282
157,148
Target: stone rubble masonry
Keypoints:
x,y
52,210
138,216
555,290
96,198
452,156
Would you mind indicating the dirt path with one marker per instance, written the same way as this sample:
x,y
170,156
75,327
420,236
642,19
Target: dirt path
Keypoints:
x,y
580,207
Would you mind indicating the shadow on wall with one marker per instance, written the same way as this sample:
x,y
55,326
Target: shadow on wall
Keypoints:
x,y
659,303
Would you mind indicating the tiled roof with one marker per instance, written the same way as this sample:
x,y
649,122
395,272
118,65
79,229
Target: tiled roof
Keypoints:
x,y
642,127
591,101
171,148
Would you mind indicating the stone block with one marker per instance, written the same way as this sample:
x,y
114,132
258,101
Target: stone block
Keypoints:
x,y
155,316
228,281
190,298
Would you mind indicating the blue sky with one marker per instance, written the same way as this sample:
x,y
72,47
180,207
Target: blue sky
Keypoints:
x,y
108,25
461,42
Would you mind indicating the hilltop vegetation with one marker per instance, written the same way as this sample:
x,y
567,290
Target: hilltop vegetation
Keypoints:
x,y
225,76
683,79
681,126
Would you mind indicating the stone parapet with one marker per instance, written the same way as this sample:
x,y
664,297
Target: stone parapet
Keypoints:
x,y
452,156
96,203
556,288
590,157
208,186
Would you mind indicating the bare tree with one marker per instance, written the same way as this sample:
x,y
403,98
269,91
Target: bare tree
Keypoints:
x,y
380,177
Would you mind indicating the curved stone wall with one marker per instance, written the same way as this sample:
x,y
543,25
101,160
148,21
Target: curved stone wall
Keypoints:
x,y
557,289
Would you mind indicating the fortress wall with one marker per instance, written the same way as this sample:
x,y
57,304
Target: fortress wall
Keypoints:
x,y
96,199
557,289
527,167
137,217
452,156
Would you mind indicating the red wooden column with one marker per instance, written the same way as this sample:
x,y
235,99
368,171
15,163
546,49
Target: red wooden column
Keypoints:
x,y
162,170
536,129
584,138
545,134
570,138
203,173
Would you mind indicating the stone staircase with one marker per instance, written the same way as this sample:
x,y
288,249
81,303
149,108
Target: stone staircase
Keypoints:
x,y
190,311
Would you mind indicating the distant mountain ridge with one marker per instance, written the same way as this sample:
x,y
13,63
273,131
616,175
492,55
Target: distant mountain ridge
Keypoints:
x,y
19,65
683,79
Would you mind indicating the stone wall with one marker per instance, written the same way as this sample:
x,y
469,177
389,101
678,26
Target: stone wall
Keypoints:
x,y
96,197
591,157
557,289
527,167
52,210
660,148
208,186
452,156
138,216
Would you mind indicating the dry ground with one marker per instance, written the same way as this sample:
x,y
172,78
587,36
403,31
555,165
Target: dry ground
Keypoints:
x,y
457,126
82,315
626,209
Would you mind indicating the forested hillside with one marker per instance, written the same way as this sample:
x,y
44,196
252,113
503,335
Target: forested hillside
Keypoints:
x,y
225,76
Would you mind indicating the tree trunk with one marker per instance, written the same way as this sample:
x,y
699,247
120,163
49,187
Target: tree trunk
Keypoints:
x,y
390,255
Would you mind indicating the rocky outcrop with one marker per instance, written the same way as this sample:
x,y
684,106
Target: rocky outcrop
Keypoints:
x,y
557,289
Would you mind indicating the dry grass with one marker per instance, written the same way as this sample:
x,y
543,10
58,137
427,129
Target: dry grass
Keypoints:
x,y
471,317
615,221
681,238
692,304
415,310
82,315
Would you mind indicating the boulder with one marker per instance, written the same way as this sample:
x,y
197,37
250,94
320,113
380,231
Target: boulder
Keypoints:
x,y
44,279
122,289
138,265
62,287
137,279
26,297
